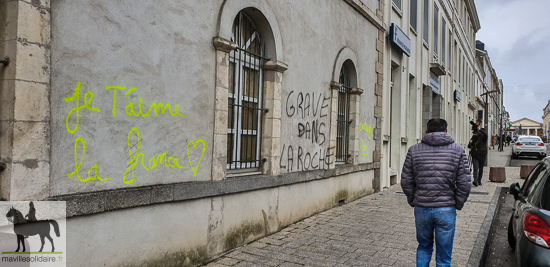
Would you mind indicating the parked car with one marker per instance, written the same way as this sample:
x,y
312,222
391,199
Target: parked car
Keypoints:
x,y
529,146
529,230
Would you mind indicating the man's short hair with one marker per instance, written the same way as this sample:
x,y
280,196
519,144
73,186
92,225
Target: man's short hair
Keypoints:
x,y
437,125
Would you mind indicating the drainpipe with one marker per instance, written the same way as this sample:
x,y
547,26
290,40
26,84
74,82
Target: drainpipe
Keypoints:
x,y
4,63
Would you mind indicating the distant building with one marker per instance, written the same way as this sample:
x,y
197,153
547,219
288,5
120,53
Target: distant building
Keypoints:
x,y
527,126
546,121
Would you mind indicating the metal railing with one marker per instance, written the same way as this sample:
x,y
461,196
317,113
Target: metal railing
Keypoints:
x,y
245,109
343,122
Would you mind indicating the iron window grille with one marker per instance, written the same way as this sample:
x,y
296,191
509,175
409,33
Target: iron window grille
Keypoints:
x,y
343,117
245,105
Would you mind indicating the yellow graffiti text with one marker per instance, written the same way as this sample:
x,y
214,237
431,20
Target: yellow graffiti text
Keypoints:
x,y
364,148
88,97
168,161
130,110
114,95
368,129
77,164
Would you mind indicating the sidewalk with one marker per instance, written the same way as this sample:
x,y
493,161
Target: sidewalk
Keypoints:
x,y
376,230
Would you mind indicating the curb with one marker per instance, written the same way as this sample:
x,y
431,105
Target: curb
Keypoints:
x,y
509,160
481,247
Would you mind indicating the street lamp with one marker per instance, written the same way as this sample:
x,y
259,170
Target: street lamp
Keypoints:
x,y
486,94
500,147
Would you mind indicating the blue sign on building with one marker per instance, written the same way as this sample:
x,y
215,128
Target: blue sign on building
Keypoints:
x,y
434,83
399,39
458,95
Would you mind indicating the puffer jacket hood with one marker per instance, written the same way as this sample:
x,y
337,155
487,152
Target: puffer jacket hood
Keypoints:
x,y
438,139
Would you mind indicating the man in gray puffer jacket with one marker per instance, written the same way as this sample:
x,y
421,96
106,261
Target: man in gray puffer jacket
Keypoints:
x,y
436,180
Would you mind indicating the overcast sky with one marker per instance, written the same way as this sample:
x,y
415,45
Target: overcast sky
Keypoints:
x,y
516,34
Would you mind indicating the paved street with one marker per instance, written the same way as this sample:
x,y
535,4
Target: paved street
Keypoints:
x,y
499,253
376,230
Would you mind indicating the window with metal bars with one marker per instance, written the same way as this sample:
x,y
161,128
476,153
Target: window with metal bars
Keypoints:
x,y
245,106
343,117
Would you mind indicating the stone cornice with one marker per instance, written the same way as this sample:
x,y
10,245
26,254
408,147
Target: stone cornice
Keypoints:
x,y
274,65
356,91
335,85
223,44
367,13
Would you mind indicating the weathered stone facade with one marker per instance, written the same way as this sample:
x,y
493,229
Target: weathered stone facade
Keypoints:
x,y
123,112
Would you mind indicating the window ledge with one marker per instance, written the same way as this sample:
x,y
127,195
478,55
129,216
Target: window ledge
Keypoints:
x,y
243,172
413,31
425,44
397,9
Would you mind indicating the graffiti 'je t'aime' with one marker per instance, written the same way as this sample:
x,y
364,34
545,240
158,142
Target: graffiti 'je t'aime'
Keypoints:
x,y
135,158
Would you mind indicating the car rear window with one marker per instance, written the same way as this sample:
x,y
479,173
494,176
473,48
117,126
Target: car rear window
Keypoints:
x,y
545,196
533,189
530,139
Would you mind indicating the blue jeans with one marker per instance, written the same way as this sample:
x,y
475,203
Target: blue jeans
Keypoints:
x,y
478,168
442,221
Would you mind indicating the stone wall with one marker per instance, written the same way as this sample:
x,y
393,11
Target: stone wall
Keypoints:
x,y
24,100
122,112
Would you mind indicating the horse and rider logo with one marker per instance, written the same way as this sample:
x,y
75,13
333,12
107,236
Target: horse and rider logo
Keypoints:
x,y
28,226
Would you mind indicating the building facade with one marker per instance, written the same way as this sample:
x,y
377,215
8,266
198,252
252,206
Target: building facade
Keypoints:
x,y
490,94
432,76
546,121
202,125
195,126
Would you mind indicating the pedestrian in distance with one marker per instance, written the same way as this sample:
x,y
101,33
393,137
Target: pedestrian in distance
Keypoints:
x,y
508,139
478,151
436,181
493,140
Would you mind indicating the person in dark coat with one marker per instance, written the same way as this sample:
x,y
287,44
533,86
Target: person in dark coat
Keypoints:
x,y
508,139
436,181
478,151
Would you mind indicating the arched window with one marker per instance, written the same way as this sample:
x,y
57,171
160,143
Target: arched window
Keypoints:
x,y
245,107
347,80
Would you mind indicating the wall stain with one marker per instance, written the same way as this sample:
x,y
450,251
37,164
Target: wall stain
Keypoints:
x,y
266,223
341,195
31,163
190,257
239,235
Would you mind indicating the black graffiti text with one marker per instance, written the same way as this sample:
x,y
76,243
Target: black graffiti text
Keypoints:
x,y
305,104
313,131
304,161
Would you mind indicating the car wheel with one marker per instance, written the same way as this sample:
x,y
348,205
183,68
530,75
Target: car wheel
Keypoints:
x,y
514,156
511,237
